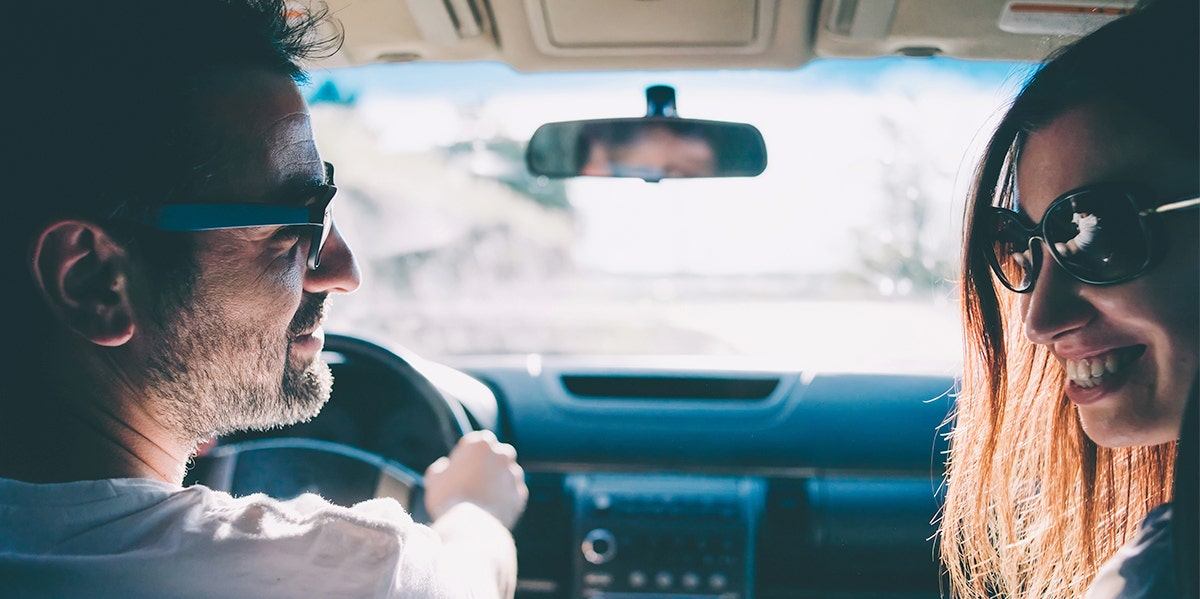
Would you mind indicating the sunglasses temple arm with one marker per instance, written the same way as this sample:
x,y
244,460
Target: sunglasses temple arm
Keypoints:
x,y
1173,206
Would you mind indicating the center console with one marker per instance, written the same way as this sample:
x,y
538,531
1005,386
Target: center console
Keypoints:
x,y
647,536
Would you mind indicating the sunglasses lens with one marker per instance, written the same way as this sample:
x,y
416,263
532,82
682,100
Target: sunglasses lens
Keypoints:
x,y
1013,260
1097,236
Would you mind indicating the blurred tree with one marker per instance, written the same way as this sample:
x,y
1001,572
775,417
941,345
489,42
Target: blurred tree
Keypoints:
x,y
900,254
503,159
330,93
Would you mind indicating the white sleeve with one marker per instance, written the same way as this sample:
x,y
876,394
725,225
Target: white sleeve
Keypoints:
x,y
467,553
373,549
479,551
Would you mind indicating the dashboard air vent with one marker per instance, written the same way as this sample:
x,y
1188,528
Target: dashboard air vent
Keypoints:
x,y
669,387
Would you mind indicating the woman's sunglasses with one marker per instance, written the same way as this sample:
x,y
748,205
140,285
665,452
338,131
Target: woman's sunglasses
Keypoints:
x,y
1097,234
315,212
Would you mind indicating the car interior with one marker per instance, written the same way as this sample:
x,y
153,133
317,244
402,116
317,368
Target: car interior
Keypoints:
x,y
666,455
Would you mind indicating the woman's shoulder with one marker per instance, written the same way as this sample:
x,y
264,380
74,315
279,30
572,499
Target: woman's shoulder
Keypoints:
x,y
1144,567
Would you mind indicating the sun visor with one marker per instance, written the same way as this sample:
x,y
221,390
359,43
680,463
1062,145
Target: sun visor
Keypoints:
x,y
669,24
663,34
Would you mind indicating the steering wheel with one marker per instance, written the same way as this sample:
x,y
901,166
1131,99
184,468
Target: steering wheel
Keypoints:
x,y
383,425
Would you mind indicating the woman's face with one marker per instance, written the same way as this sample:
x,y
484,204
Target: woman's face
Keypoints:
x,y
1133,345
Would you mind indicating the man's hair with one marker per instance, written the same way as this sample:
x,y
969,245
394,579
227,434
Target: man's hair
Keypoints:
x,y
1033,506
97,93
97,105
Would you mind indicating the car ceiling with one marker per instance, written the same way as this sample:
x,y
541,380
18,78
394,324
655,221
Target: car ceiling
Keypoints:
x,y
563,35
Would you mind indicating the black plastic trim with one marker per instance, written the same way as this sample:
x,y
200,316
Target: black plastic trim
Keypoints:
x,y
669,387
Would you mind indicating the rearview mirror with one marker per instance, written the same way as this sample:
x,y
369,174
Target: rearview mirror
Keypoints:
x,y
655,147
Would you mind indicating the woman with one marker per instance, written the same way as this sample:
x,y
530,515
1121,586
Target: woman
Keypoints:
x,y
1079,363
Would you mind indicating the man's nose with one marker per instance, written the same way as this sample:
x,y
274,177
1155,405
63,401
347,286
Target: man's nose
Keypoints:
x,y
1054,307
338,272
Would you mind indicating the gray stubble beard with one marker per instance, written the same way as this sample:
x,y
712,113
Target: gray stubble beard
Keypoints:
x,y
214,377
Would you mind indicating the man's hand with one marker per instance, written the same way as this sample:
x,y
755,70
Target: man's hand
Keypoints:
x,y
479,470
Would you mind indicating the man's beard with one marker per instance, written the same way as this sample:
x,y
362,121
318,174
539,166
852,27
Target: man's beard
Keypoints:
x,y
216,376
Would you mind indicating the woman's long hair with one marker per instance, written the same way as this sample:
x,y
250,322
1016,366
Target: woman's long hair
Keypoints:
x,y
1033,507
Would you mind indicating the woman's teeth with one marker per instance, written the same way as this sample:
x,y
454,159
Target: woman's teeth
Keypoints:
x,y
1090,372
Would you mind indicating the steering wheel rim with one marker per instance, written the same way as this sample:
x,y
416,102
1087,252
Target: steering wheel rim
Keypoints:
x,y
406,365
237,468
284,466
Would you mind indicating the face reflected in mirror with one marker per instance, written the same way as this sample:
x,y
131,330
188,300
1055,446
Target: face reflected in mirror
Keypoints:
x,y
652,152
648,148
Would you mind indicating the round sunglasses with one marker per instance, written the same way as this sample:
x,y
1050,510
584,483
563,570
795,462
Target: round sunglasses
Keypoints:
x,y
1098,234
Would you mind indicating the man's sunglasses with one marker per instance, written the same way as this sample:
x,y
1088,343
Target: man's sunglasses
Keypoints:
x,y
1098,234
206,217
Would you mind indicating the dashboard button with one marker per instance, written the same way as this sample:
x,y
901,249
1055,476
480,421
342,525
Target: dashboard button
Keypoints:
x,y
718,582
664,580
597,579
637,579
602,501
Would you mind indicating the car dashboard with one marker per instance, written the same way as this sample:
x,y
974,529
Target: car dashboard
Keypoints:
x,y
677,478
678,481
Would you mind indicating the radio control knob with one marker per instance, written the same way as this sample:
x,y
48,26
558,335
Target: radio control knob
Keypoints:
x,y
599,546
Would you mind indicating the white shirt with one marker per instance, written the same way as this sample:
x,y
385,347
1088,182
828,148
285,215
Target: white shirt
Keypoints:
x,y
1087,226
141,538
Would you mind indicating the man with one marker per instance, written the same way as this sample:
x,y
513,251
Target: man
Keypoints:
x,y
130,126
649,151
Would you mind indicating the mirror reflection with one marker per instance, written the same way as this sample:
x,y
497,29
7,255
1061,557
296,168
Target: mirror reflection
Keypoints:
x,y
649,148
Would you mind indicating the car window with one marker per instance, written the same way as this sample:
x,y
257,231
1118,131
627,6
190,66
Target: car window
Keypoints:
x,y
840,255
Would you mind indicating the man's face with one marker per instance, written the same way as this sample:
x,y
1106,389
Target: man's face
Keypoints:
x,y
241,348
660,150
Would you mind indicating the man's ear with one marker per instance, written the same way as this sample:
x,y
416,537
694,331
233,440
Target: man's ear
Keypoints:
x,y
82,273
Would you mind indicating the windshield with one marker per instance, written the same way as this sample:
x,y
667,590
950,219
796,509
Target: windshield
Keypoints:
x,y
841,254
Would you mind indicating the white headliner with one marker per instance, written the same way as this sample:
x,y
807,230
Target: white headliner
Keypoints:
x,y
548,35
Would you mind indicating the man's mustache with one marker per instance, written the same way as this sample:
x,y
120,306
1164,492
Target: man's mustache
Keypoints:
x,y
310,313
